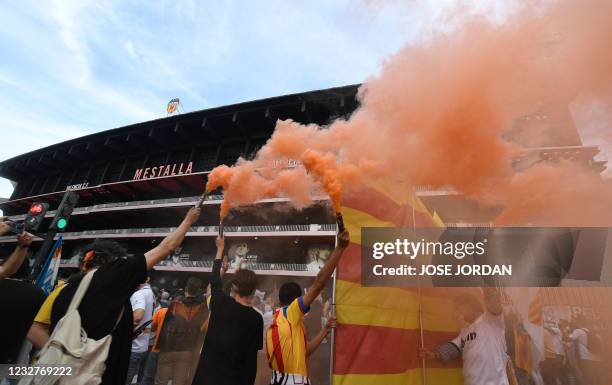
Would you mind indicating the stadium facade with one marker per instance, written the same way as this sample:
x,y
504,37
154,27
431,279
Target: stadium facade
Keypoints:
x,y
136,182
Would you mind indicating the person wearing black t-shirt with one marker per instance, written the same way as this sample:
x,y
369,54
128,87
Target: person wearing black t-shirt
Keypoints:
x,y
20,300
235,331
109,294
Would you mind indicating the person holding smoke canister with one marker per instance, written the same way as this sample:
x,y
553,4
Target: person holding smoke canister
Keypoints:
x,y
481,344
105,308
286,342
235,330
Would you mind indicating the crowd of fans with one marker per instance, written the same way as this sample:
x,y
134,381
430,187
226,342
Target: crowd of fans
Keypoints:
x,y
235,334
131,334
496,348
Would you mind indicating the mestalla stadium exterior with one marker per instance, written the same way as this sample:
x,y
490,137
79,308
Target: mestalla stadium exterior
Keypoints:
x,y
136,182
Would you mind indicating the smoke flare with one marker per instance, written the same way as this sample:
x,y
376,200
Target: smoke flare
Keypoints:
x,y
445,112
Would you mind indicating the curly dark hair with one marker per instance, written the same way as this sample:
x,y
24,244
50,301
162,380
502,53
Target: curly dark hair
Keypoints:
x,y
101,252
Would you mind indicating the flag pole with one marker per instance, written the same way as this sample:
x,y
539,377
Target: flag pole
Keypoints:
x,y
421,328
423,363
333,314
333,331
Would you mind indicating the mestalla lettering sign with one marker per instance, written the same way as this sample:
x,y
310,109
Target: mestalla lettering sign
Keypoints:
x,y
163,170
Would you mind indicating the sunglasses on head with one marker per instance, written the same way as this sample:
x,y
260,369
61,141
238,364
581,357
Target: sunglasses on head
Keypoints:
x,y
89,255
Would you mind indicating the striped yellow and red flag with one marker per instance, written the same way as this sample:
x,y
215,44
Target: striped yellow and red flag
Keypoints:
x,y
535,310
378,336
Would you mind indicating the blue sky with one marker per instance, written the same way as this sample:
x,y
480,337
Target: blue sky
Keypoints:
x,y
71,68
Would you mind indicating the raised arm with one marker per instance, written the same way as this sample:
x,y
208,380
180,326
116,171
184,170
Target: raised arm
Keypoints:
x,y
14,261
173,240
326,271
215,277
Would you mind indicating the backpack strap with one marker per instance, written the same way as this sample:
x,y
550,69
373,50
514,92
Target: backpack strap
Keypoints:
x,y
118,320
81,290
80,293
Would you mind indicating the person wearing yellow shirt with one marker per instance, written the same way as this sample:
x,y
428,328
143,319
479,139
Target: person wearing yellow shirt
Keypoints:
x,y
286,343
39,331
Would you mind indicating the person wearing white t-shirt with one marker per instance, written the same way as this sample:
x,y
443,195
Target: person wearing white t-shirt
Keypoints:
x,y
554,354
589,360
142,302
481,344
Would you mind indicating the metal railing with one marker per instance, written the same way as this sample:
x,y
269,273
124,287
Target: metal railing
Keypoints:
x,y
302,230
182,201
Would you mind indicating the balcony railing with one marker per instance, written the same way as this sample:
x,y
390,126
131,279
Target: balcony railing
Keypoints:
x,y
152,203
205,231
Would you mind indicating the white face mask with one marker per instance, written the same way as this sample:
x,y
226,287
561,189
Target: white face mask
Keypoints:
x,y
268,308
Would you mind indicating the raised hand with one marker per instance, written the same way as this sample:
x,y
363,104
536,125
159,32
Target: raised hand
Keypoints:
x,y
343,239
25,239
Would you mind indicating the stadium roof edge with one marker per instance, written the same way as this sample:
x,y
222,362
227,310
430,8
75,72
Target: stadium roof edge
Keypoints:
x,y
305,96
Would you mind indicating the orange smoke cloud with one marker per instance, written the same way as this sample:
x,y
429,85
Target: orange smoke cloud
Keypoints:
x,y
219,177
323,167
563,195
444,113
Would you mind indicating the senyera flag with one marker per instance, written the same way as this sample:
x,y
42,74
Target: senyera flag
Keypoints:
x,y
48,275
379,330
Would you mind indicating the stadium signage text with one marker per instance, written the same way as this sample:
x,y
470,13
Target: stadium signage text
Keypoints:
x,y
163,170
285,163
77,186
